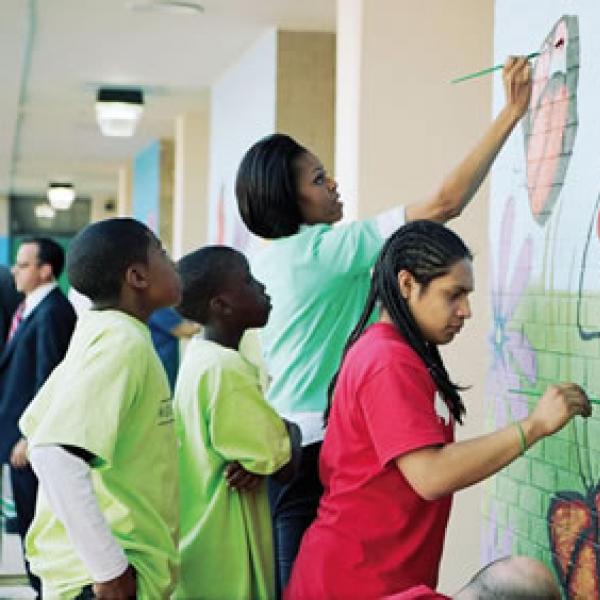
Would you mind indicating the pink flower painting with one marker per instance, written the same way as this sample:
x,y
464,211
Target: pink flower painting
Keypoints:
x,y
512,355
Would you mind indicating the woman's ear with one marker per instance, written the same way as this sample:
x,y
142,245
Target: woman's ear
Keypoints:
x,y
136,276
406,283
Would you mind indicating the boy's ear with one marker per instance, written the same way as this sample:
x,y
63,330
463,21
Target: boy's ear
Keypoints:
x,y
219,306
136,276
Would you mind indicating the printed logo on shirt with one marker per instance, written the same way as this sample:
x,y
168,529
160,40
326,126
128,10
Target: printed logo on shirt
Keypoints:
x,y
441,409
165,412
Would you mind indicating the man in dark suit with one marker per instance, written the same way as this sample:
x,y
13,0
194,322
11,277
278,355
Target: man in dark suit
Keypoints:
x,y
9,300
37,341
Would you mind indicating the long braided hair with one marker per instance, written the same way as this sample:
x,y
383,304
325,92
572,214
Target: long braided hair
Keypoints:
x,y
427,250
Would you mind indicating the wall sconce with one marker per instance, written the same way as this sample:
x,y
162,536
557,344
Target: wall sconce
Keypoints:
x,y
118,111
61,195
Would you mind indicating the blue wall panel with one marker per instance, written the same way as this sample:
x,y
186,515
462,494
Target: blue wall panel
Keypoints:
x,y
146,186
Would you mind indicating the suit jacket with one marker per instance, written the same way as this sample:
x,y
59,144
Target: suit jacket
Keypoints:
x,y
35,349
9,300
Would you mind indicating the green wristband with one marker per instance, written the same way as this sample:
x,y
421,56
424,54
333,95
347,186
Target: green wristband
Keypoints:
x,y
522,437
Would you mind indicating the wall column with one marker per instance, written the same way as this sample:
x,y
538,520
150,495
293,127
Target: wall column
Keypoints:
x,y
190,195
400,128
124,192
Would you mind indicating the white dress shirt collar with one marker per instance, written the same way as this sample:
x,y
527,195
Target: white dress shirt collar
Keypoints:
x,y
34,298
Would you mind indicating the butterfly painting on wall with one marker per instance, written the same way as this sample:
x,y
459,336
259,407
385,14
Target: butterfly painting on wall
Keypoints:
x,y
573,530
550,125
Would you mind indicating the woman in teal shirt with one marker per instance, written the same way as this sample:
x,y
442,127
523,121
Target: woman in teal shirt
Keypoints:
x,y
318,279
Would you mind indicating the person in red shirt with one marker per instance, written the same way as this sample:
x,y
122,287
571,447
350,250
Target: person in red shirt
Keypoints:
x,y
389,463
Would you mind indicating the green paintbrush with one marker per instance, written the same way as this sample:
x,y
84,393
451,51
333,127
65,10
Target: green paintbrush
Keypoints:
x,y
488,70
538,394
560,42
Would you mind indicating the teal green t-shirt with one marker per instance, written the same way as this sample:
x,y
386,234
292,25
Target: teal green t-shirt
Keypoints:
x,y
221,416
318,280
110,396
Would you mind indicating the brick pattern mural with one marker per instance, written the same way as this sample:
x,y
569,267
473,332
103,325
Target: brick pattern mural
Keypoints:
x,y
545,292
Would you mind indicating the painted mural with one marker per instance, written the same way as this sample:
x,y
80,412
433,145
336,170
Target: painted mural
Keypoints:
x,y
545,291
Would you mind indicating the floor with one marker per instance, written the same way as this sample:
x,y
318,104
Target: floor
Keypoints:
x,y
13,581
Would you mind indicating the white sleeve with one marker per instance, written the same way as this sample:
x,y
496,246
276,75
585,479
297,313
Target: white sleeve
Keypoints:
x,y
67,483
390,220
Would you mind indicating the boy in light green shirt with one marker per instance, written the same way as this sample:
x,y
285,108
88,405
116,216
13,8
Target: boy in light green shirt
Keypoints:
x,y
229,436
101,433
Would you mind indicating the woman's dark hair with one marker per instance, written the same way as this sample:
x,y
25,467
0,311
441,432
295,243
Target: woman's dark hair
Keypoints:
x,y
266,187
100,255
427,250
203,273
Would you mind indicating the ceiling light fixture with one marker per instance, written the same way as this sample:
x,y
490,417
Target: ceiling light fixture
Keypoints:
x,y
61,195
118,110
44,211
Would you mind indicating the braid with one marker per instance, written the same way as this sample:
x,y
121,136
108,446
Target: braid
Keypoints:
x,y
427,250
402,318
354,335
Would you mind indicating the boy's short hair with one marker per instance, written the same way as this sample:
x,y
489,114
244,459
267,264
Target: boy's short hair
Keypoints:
x,y
101,253
202,274
49,253
512,578
266,187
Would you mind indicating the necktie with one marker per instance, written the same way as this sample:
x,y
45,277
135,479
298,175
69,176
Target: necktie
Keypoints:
x,y
16,320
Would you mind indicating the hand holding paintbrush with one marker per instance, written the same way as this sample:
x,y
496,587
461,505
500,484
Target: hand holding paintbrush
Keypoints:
x,y
559,43
516,76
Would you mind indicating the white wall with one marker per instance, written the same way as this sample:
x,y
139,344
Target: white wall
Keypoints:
x,y
348,68
243,109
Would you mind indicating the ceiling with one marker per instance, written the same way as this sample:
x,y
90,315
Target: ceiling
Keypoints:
x,y
54,54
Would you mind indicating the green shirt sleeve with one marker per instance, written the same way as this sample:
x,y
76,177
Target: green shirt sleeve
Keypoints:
x,y
347,249
84,408
243,427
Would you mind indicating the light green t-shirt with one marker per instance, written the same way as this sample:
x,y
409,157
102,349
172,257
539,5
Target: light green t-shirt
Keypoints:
x,y
110,396
226,539
318,280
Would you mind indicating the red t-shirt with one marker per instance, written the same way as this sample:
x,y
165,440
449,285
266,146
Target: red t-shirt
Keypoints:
x,y
374,535
421,592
